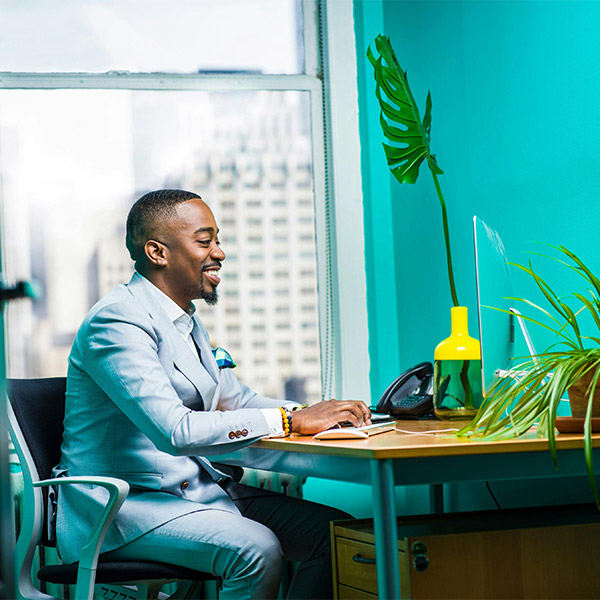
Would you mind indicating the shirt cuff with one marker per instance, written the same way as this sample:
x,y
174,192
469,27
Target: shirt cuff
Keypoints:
x,y
274,421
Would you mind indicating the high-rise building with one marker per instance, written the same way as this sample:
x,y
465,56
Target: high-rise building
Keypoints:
x,y
256,174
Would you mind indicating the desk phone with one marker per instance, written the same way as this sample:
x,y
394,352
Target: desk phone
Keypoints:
x,y
410,396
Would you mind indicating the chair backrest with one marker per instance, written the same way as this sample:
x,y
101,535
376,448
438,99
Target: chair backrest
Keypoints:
x,y
39,408
36,413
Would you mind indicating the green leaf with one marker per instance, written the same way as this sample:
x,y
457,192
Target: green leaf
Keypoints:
x,y
586,272
572,320
431,160
544,288
561,379
559,332
400,119
533,305
587,439
590,307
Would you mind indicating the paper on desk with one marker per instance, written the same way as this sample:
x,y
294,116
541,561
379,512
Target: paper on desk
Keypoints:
x,y
355,433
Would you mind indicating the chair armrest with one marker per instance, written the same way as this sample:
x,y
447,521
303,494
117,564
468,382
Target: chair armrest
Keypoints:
x,y
117,490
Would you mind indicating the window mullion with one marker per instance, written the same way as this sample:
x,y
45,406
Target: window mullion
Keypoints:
x,y
310,31
157,81
347,280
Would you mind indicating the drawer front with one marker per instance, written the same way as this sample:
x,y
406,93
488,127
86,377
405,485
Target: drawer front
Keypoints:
x,y
348,593
351,570
355,562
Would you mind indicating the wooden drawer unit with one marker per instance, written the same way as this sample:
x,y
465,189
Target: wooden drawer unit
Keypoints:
x,y
551,552
354,570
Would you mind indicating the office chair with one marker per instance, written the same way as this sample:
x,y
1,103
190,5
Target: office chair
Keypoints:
x,y
35,412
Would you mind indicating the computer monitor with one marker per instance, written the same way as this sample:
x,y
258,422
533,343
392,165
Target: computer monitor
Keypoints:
x,y
494,288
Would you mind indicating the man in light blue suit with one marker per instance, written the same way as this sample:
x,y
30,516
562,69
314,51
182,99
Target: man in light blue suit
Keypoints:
x,y
147,402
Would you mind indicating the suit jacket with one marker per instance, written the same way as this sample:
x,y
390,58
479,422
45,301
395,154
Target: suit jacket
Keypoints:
x,y
142,407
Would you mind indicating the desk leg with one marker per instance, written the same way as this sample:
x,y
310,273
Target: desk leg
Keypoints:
x,y
436,498
386,530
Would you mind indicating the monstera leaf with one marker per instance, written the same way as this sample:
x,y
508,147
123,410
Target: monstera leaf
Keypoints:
x,y
400,119
407,136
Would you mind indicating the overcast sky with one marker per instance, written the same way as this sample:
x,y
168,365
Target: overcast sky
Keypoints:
x,y
148,35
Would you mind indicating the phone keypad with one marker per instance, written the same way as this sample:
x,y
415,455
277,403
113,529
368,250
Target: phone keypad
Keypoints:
x,y
412,400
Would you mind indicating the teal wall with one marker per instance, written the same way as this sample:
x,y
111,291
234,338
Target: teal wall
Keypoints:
x,y
516,128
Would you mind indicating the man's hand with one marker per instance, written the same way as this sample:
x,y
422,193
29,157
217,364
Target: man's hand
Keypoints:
x,y
329,413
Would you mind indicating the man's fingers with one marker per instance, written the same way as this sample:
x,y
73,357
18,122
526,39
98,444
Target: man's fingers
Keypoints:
x,y
356,420
328,413
354,411
365,410
361,406
358,417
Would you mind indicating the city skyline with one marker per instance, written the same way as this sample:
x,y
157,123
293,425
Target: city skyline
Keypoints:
x,y
254,168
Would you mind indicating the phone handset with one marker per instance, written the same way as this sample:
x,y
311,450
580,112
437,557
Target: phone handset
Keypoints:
x,y
411,394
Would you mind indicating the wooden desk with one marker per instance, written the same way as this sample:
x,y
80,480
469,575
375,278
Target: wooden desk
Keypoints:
x,y
395,458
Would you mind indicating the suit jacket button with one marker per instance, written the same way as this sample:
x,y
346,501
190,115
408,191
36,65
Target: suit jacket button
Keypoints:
x,y
238,434
231,435
244,432
184,485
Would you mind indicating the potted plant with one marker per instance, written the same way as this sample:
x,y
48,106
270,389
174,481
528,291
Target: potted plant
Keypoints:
x,y
532,390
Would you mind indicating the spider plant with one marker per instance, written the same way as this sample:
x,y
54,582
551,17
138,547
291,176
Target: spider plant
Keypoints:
x,y
532,390
407,136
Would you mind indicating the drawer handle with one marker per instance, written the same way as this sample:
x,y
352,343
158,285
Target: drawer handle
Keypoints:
x,y
361,559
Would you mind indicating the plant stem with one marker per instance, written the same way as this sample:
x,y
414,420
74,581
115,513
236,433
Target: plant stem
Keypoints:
x,y
447,238
466,384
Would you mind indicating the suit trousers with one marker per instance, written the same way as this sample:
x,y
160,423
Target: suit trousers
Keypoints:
x,y
247,550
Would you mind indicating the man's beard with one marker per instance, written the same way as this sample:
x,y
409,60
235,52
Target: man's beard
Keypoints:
x,y
208,293
210,297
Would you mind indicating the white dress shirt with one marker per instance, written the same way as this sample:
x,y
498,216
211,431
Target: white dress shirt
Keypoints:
x,y
184,324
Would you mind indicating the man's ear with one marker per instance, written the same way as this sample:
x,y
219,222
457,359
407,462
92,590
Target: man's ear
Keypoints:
x,y
156,253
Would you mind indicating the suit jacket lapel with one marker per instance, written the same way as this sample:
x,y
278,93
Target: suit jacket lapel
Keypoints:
x,y
183,357
208,362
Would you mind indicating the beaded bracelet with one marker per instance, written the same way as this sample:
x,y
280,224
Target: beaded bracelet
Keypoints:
x,y
286,418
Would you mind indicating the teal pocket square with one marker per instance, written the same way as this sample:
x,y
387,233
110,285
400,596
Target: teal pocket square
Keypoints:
x,y
223,358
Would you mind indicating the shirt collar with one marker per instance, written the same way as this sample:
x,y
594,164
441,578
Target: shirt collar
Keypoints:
x,y
173,310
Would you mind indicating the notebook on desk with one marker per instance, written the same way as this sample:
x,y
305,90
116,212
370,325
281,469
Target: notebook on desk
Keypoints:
x,y
355,433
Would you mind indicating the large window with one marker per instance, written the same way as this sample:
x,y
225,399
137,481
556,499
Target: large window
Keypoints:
x,y
251,104
77,151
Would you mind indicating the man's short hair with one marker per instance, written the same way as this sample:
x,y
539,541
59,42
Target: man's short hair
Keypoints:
x,y
146,213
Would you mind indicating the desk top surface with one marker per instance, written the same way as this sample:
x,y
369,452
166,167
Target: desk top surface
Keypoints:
x,y
419,443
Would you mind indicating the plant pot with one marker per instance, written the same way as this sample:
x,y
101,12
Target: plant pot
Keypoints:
x,y
578,397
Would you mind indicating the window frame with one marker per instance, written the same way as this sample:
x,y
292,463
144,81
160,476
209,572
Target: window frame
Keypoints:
x,y
330,80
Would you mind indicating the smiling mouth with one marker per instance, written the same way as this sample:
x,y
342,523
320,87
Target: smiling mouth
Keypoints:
x,y
212,275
